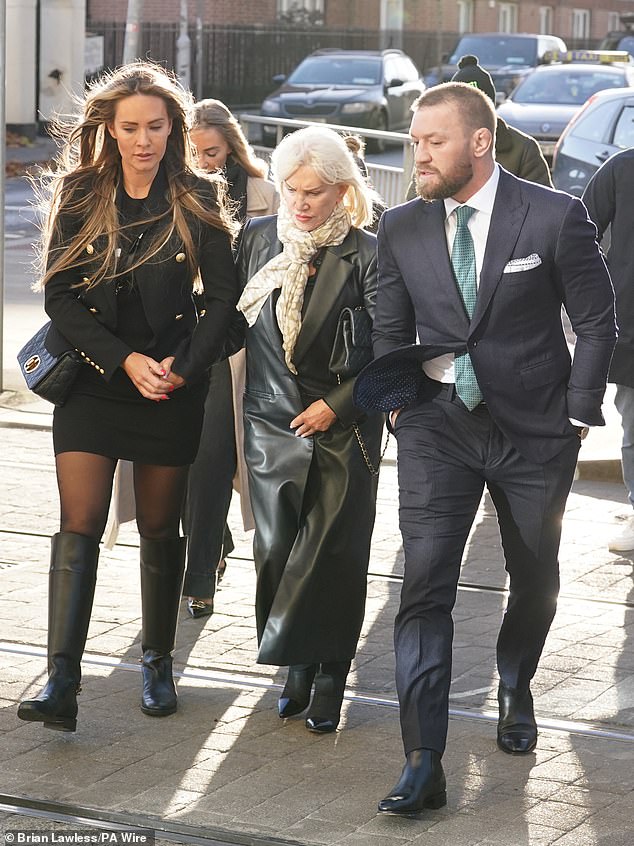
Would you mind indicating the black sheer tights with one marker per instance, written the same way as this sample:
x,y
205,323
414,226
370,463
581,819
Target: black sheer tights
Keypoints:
x,y
85,485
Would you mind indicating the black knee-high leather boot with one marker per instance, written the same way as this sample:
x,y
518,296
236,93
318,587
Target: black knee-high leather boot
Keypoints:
x,y
162,572
72,578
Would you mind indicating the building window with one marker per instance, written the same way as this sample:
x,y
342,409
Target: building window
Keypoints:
x,y
614,22
545,20
581,23
507,19
465,15
301,11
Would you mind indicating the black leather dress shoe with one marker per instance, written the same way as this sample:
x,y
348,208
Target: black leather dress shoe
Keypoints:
x,y
199,608
517,729
422,785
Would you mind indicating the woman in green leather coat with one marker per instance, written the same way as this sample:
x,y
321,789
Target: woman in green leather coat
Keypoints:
x,y
312,456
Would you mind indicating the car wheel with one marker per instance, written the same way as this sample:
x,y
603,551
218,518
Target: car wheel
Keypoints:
x,y
378,145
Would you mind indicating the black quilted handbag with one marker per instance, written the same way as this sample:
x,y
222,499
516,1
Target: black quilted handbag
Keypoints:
x,y
49,376
352,347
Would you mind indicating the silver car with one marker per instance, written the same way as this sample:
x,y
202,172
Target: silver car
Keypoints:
x,y
543,104
604,126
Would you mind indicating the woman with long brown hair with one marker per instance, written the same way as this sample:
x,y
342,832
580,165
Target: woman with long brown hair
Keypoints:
x,y
131,229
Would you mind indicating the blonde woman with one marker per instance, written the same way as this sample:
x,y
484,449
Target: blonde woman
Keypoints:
x,y
131,226
221,146
312,490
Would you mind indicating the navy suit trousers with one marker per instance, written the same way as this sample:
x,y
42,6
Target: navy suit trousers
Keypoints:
x,y
446,456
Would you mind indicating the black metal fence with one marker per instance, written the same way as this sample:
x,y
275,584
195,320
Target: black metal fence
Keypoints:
x,y
238,63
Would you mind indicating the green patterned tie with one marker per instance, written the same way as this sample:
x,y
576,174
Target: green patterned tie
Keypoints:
x,y
464,268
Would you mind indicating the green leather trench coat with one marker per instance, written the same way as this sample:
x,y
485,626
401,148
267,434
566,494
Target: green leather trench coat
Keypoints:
x,y
313,498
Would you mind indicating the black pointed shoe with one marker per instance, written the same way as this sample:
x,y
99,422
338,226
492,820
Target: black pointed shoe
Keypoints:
x,y
199,608
330,685
56,706
422,786
296,694
517,729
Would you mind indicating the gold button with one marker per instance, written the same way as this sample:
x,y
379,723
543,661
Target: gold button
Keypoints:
x,y
93,310
101,370
202,312
86,280
180,257
178,317
90,249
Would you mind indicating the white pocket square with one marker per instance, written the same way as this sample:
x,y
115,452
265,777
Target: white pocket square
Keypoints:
x,y
519,264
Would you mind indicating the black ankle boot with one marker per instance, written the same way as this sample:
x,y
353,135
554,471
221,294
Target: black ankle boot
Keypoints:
x,y
330,684
72,577
296,694
162,571
517,729
421,785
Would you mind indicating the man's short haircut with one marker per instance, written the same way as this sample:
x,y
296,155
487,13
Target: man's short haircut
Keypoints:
x,y
475,109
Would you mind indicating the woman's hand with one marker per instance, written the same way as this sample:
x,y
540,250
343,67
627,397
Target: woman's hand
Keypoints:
x,y
173,378
148,376
318,417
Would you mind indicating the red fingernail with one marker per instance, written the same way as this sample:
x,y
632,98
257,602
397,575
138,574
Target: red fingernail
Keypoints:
x,y
164,396
161,373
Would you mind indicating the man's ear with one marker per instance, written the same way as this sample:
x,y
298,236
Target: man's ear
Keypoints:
x,y
482,142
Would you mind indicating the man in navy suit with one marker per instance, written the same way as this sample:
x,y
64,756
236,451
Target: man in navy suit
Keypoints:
x,y
507,409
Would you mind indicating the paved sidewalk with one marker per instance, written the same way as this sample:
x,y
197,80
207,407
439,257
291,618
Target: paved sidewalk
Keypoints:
x,y
228,767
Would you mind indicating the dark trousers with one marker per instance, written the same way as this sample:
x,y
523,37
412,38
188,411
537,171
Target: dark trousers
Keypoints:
x,y
210,487
446,455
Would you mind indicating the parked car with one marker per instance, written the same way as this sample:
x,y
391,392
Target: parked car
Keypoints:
x,y
603,126
622,39
372,89
546,100
507,57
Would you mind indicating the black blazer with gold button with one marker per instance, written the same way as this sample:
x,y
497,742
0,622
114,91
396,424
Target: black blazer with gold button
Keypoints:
x,y
87,317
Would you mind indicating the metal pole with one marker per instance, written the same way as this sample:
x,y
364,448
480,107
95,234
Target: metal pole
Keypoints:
x,y
132,31
183,50
3,155
199,51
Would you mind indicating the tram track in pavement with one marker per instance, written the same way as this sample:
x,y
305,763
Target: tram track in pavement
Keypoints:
x,y
473,587
79,818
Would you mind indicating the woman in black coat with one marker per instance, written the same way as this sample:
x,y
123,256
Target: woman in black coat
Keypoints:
x,y
312,456
131,229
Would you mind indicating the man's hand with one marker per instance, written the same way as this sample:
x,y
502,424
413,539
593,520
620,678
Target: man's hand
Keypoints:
x,y
148,376
318,417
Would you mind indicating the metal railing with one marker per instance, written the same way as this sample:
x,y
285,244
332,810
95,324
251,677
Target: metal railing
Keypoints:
x,y
389,181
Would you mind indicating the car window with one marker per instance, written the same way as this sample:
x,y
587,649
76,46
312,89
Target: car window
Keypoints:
x,y
408,71
570,88
392,69
626,43
497,51
624,129
330,70
595,124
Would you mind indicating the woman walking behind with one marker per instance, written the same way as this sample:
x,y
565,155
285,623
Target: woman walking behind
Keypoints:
x,y
309,451
130,229
221,145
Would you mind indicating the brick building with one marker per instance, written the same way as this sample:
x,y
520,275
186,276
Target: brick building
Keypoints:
x,y
571,19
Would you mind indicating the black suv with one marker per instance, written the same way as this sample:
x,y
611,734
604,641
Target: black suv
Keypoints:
x,y
371,89
508,57
622,39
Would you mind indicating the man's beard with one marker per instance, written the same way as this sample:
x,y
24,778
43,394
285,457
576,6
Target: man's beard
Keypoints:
x,y
448,185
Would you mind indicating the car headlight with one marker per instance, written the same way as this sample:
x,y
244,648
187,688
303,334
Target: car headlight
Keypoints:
x,y
271,107
356,108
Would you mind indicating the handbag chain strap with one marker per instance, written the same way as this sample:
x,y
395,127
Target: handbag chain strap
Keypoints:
x,y
362,446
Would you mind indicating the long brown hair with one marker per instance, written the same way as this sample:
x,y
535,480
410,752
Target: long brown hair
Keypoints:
x,y
84,183
213,114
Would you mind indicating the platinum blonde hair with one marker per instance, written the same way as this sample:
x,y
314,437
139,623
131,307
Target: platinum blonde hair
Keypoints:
x,y
326,152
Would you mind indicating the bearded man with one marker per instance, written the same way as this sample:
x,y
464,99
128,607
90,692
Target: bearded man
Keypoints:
x,y
481,264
